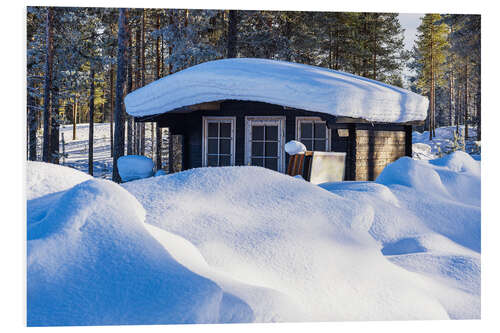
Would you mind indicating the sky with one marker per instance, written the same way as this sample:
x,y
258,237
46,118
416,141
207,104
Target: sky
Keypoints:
x,y
410,22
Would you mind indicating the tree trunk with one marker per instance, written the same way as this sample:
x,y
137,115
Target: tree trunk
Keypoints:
x,y
232,34
118,149
111,103
431,115
158,64
451,99
466,99
137,83
75,112
49,53
32,125
478,108
330,47
130,120
143,77
91,121
54,127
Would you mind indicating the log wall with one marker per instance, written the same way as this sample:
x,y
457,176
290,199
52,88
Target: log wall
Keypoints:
x,y
375,149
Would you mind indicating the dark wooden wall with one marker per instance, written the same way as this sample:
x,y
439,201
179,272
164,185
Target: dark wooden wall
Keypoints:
x,y
369,147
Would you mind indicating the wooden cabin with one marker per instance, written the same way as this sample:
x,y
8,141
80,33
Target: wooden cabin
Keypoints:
x,y
243,111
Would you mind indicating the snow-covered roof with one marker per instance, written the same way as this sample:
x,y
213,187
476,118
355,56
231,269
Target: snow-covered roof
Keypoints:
x,y
288,84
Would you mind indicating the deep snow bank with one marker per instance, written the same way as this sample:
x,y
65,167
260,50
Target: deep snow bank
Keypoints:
x,y
91,262
427,219
45,178
294,241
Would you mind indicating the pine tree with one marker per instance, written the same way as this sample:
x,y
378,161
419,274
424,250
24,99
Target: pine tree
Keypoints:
x,y
119,138
432,43
47,86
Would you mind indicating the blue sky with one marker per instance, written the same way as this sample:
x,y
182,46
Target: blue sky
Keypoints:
x,y
410,22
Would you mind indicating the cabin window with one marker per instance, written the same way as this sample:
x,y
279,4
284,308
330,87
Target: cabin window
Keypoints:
x,y
313,133
218,141
264,137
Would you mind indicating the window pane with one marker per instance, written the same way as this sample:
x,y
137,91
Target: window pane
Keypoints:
x,y
213,130
257,148
257,132
258,161
271,149
320,145
225,146
308,144
319,130
271,133
212,146
225,130
305,130
224,160
272,163
212,160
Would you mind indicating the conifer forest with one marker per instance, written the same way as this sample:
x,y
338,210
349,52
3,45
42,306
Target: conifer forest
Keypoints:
x,y
81,62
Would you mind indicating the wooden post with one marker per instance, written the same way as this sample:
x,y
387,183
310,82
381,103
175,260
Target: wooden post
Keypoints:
x,y
170,151
158,69
352,152
408,141
91,121
75,112
111,108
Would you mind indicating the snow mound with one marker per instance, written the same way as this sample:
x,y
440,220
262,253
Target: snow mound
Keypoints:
x,y
132,167
294,147
90,261
433,228
289,84
45,178
444,142
262,239
459,161
422,151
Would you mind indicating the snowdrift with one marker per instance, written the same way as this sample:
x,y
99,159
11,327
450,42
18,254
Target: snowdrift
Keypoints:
x,y
289,84
45,178
246,244
92,262
261,231
427,219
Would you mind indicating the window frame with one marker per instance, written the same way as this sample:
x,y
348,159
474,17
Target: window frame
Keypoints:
x,y
299,120
266,120
218,119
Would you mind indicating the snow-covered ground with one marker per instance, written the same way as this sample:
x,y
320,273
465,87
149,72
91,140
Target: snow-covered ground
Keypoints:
x,y
77,150
246,244
426,149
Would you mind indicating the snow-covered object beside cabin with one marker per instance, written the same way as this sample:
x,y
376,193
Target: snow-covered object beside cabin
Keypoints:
x,y
160,173
288,84
132,167
294,147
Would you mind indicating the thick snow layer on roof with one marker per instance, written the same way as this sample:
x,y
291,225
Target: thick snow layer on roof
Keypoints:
x,y
289,84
